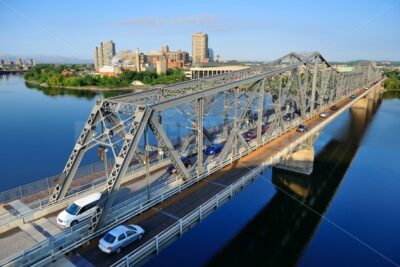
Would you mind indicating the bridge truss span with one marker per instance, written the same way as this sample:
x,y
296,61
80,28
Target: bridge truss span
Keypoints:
x,y
233,112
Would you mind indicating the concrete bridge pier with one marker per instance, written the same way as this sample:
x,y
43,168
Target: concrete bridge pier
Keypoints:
x,y
370,100
362,103
301,160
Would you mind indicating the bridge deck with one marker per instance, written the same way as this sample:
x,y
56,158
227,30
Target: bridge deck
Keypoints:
x,y
160,217
27,235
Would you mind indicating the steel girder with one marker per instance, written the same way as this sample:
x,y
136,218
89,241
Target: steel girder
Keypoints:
x,y
293,83
76,156
168,148
200,117
131,140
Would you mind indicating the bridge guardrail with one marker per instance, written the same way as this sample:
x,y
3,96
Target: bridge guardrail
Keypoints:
x,y
73,238
48,183
40,204
13,214
177,229
184,224
135,205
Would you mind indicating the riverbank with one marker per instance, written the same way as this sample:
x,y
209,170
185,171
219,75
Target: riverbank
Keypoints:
x,y
91,88
12,71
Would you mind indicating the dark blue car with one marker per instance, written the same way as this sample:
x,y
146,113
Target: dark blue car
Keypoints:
x,y
213,149
187,162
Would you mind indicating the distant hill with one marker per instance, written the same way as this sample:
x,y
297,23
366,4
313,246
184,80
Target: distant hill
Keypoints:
x,y
53,59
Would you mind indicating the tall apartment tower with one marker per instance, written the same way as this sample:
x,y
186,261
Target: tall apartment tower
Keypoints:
x,y
199,47
210,54
108,52
103,54
18,62
137,60
96,59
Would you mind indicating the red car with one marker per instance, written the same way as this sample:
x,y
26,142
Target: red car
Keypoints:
x,y
250,135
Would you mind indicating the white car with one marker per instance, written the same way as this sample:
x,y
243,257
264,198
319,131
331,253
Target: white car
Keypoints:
x,y
324,114
78,211
119,237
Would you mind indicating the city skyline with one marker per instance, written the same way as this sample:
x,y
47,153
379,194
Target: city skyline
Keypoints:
x,y
333,29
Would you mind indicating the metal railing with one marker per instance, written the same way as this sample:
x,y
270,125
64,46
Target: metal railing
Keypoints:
x,y
50,249
155,244
73,237
12,215
47,183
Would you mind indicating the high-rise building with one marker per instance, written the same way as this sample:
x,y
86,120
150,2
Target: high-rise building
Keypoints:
x,y
2,62
137,60
162,64
108,52
104,54
210,54
96,60
199,47
18,62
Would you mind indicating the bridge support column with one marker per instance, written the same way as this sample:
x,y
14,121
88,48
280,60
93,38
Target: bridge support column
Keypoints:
x,y
377,92
361,103
301,160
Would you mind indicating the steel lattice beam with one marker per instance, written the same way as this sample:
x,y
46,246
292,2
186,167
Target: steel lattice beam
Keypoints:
x,y
306,83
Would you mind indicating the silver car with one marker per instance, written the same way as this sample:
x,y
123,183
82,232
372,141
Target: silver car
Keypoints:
x,y
324,114
119,237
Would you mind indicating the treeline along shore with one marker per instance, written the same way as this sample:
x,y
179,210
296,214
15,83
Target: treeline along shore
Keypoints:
x,y
82,77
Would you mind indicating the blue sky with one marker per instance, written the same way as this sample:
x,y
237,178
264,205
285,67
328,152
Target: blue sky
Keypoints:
x,y
253,30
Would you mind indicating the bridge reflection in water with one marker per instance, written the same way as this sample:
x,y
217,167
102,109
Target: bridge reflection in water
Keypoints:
x,y
281,231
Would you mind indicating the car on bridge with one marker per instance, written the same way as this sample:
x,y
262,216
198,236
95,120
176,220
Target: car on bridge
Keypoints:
x,y
265,128
119,237
352,97
302,128
334,108
324,114
213,149
250,135
78,211
187,162
288,116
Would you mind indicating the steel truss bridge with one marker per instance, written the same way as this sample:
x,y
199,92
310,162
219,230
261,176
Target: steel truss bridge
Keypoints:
x,y
135,127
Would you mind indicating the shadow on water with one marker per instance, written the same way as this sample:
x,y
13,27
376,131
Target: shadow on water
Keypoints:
x,y
280,232
51,91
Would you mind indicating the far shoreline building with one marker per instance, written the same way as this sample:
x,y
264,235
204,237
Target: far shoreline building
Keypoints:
x,y
104,54
200,47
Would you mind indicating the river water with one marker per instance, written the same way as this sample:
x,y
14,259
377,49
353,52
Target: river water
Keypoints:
x,y
346,213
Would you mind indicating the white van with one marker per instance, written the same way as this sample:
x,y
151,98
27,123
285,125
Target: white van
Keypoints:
x,y
78,211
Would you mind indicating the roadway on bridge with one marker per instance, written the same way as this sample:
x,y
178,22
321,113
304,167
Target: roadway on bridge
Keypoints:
x,y
27,235
160,217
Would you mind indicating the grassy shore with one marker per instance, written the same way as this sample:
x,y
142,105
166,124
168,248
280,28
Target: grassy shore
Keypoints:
x,y
90,88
